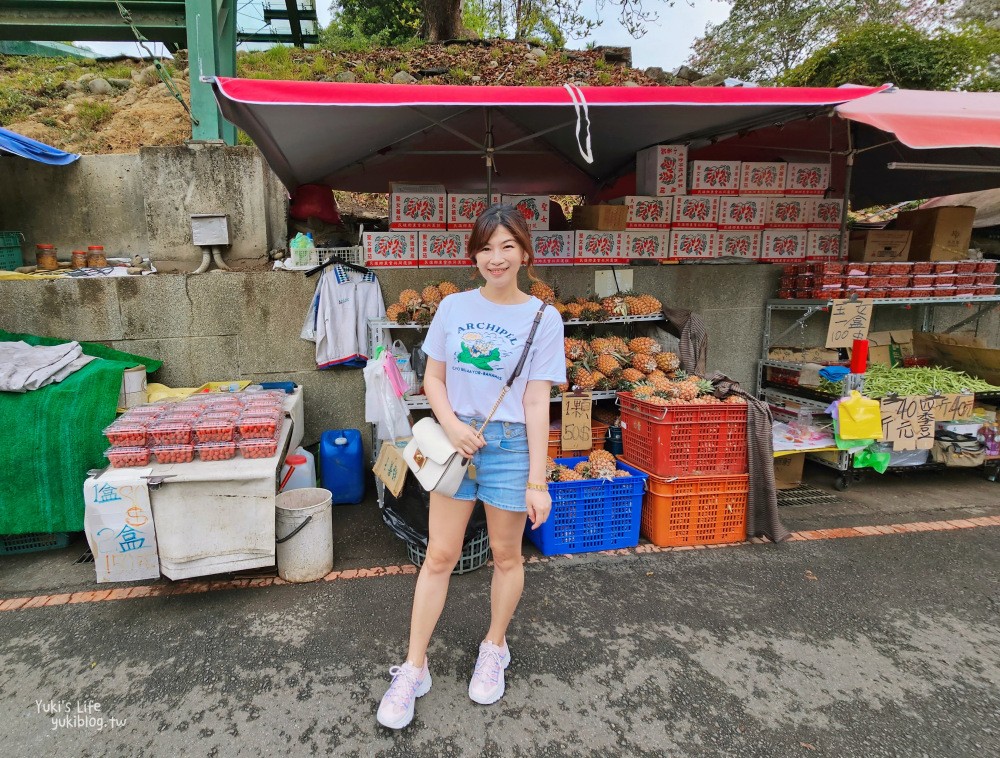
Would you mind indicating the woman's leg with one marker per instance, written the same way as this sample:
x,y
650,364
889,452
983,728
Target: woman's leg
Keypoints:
x,y
446,532
506,529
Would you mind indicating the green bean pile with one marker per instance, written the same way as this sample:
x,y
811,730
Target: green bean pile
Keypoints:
x,y
917,380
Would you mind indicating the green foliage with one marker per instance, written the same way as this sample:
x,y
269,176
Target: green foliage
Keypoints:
x,y
875,54
364,24
92,114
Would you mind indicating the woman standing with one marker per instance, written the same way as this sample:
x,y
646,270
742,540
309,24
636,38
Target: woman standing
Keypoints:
x,y
472,347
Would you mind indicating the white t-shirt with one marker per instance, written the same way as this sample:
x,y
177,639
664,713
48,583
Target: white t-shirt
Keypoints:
x,y
480,344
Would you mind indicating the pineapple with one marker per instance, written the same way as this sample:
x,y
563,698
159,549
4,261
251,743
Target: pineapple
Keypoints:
x,y
620,472
618,345
423,317
575,349
632,305
602,464
564,474
705,387
644,345
687,390
560,308
648,305
734,400
593,312
584,378
601,346
403,316
614,306
643,391
607,364
447,288
574,310
643,362
667,361
431,295
550,467
409,298
564,387
633,375
605,382
543,292
583,469
393,312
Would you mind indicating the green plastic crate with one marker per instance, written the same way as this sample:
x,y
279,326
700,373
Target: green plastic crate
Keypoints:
x,y
10,251
12,544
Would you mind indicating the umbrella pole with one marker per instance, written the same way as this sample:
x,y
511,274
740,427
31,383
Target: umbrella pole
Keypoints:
x,y
488,148
848,176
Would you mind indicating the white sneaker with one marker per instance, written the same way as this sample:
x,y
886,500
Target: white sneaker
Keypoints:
x,y
487,683
408,683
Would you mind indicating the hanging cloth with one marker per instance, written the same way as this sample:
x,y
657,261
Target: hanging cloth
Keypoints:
x,y
690,329
344,302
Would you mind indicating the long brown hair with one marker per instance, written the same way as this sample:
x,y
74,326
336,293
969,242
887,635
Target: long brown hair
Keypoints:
x,y
510,218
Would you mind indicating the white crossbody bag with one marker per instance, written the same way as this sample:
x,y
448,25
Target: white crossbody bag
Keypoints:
x,y
434,461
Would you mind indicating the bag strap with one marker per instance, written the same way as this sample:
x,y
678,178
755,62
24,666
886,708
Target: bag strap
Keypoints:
x,y
517,369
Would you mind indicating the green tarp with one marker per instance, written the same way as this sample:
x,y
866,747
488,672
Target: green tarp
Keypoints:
x,y
51,437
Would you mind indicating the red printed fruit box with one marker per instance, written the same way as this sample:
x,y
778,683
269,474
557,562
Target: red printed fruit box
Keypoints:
x,y
417,206
553,248
465,208
758,178
695,212
390,248
824,213
783,246
692,244
444,249
823,245
807,179
742,213
738,244
646,211
715,178
534,208
661,170
599,247
786,213
646,245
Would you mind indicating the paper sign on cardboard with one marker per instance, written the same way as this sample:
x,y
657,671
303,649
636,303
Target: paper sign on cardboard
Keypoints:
x,y
390,467
661,170
576,421
444,249
849,321
119,526
554,248
908,422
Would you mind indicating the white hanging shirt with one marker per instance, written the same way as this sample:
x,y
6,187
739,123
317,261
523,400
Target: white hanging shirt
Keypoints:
x,y
345,300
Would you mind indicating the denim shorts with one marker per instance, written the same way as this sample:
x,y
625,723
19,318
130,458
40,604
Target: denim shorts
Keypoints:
x,y
501,467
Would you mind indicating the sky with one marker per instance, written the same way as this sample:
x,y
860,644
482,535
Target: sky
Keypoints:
x,y
685,21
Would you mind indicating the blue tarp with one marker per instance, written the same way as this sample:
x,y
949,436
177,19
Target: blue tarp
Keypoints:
x,y
15,144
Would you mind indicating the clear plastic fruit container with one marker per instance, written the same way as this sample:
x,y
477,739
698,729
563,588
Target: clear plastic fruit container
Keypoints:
x,y
216,451
921,267
965,291
945,280
984,279
126,457
965,280
144,411
125,433
254,426
857,269
214,430
258,448
986,290
170,432
986,267
227,415
944,267
880,269
966,267
173,453
946,291
837,269
923,280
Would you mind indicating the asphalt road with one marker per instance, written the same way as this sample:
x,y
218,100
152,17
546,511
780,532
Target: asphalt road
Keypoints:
x,y
878,646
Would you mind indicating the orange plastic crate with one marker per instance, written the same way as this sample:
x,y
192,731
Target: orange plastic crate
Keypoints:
x,y
684,440
698,510
598,433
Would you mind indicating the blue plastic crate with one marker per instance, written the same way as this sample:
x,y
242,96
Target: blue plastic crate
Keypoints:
x,y
593,514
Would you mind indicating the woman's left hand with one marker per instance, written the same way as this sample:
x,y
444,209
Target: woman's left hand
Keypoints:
x,y
539,505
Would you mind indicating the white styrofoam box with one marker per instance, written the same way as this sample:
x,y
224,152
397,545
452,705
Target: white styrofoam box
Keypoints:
x,y
692,244
444,249
824,212
534,208
807,179
823,245
715,178
553,248
661,170
738,244
465,207
786,213
390,248
783,245
745,213
417,206
759,178
695,212
646,245
599,247
646,211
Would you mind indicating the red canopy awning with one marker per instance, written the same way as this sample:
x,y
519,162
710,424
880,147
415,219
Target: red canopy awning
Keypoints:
x,y
360,137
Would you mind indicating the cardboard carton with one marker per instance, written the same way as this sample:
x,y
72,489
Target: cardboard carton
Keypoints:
x,y
738,244
823,245
786,213
444,249
879,245
417,206
715,178
693,244
742,213
390,248
962,353
534,208
788,470
465,207
646,245
758,178
805,179
939,234
595,246
604,218
890,348
824,212
695,212
661,170
554,248
783,246
646,211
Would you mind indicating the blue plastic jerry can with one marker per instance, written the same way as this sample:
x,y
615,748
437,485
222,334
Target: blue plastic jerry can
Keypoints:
x,y
341,453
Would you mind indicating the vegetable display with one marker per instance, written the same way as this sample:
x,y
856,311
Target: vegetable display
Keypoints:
x,y
880,380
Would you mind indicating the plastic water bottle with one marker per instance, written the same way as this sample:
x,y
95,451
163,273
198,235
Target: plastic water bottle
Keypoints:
x,y
298,472
299,248
311,252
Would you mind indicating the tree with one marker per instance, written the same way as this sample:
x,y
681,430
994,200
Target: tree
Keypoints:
x,y
387,22
764,39
874,54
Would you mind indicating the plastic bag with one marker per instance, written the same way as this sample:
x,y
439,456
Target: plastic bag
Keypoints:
x,y
401,354
873,458
860,418
309,324
383,407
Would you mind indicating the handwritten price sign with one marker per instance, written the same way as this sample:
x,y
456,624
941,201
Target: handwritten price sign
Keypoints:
x,y
576,421
908,422
849,321
390,467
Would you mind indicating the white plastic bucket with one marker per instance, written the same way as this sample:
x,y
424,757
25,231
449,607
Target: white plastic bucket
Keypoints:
x,y
304,534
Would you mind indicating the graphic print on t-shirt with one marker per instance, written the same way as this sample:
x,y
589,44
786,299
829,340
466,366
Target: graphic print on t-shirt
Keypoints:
x,y
484,344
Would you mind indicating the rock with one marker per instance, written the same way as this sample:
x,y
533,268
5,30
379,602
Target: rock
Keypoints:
x,y
99,86
77,96
630,83
120,83
712,80
69,108
128,98
433,71
345,76
70,86
617,56
493,64
401,77
658,75
148,76
476,78
86,78
538,52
